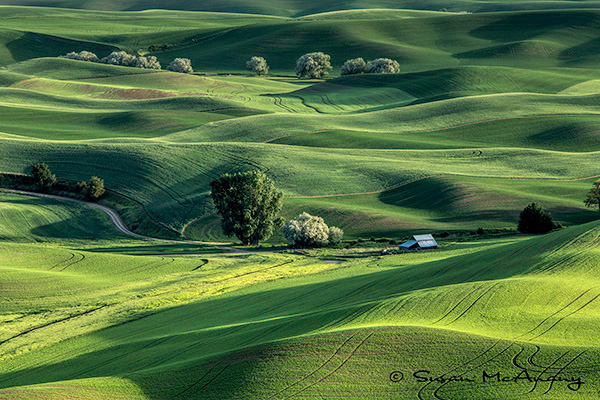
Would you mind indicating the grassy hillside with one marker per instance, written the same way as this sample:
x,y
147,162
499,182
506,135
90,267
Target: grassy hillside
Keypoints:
x,y
281,326
491,111
168,135
218,42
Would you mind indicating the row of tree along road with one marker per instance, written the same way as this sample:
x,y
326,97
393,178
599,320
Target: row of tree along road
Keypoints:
x,y
315,65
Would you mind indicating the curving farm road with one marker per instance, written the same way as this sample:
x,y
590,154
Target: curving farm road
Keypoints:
x,y
120,225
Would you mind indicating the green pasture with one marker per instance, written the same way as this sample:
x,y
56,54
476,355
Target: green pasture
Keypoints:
x,y
498,134
222,42
492,110
101,325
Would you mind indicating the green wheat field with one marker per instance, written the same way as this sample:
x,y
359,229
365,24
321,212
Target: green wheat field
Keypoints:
x,y
497,105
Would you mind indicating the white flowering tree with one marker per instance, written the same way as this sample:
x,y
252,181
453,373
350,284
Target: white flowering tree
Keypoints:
x,y
310,231
313,65
81,56
257,65
382,66
353,66
183,65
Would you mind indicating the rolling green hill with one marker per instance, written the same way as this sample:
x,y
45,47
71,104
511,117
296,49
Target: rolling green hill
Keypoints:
x,y
285,326
352,135
218,42
492,110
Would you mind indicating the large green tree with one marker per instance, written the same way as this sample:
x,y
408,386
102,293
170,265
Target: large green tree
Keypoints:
x,y
592,199
248,203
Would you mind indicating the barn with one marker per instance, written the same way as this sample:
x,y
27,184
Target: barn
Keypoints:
x,y
420,242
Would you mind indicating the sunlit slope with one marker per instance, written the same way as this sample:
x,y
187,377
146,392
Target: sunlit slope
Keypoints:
x,y
78,100
529,304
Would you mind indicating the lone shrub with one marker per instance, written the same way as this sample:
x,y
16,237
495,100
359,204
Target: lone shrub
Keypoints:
x,y
248,203
313,65
81,56
533,219
353,67
95,188
183,65
382,66
310,231
119,58
149,62
257,65
42,176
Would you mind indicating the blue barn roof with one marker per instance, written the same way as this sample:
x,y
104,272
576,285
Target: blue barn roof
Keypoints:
x,y
420,242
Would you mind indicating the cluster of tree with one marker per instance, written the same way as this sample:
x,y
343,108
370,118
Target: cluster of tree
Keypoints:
x,y
249,205
317,65
378,66
125,59
46,180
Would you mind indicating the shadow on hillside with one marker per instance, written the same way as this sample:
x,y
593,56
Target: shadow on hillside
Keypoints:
x,y
534,24
431,194
30,45
581,53
73,228
150,350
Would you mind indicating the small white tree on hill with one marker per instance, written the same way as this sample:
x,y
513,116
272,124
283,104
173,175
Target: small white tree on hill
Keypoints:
x,y
313,65
310,231
353,66
257,65
149,62
119,58
382,66
183,65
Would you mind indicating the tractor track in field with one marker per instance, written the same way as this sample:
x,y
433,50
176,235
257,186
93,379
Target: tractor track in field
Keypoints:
x,y
74,262
335,369
35,328
63,261
118,223
322,365
555,313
